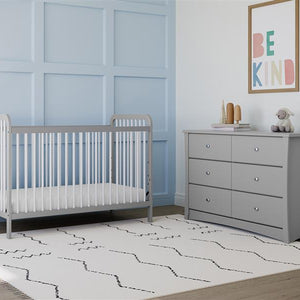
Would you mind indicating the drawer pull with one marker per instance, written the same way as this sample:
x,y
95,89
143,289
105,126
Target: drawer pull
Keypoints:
x,y
207,200
256,208
207,173
256,179
256,149
207,146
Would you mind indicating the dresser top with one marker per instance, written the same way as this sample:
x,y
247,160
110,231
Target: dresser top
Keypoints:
x,y
244,133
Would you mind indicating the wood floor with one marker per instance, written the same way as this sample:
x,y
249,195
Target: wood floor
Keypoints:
x,y
279,286
272,287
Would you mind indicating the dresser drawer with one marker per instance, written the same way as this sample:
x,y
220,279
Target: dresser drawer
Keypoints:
x,y
259,209
258,179
211,173
258,150
210,146
216,201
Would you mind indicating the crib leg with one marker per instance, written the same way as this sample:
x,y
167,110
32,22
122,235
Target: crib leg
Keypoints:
x,y
150,213
8,227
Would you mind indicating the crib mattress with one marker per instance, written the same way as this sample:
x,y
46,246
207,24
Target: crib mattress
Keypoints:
x,y
64,197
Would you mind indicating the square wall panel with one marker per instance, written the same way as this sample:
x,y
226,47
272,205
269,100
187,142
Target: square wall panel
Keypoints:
x,y
16,30
16,97
160,168
73,34
138,95
73,99
140,40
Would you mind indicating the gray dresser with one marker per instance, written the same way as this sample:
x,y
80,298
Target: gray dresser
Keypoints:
x,y
249,180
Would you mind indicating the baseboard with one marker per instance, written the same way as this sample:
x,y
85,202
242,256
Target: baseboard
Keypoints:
x,y
179,199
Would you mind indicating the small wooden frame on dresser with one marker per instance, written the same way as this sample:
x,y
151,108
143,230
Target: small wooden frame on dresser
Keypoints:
x,y
249,180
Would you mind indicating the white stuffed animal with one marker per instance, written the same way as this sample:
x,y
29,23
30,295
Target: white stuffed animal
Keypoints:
x,y
284,124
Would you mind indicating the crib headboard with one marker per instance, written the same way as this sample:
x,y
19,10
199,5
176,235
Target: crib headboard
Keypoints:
x,y
137,120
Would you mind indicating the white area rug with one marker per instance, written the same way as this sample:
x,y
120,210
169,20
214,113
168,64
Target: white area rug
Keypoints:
x,y
133,259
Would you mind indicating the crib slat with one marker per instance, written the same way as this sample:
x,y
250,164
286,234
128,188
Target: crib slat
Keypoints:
x,y
93,157
2,169
42,163
3,166
99,165
18,170
131,163
144,162
50,168
73,166
33,166
66,170
96,168
86,151
58,168
137,178
128,148
117,167
140,158
103,166
39,159
110,166
26,170
124,163
53,160
81,166
47,159
88,167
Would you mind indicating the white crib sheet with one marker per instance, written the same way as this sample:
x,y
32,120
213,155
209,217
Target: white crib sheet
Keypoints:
x,y
71,197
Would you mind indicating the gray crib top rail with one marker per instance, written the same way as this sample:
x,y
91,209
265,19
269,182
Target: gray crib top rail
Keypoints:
x,y
75,129
113,127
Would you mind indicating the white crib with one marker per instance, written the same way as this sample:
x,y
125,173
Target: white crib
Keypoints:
x,y
57,170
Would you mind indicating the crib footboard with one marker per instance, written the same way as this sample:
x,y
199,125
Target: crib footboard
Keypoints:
x,y
55,170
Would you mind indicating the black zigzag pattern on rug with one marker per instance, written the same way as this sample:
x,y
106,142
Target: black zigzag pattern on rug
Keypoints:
x,y
154,225
265,242
198,226
56,289
32,238
130,232
5,252
83,240
202,258
32,255
106,274
247,251
166,237
158,265
205,232
89,248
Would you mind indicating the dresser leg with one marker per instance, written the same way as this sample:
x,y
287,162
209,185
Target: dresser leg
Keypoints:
x,y
186,214
150,213
8,227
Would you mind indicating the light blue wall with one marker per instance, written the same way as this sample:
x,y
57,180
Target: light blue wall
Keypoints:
x,y
79,61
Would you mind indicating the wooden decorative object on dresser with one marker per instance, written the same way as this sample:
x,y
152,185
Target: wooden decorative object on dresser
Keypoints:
x,y
249,180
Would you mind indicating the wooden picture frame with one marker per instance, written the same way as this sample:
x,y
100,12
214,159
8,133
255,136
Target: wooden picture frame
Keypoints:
x,y
273,47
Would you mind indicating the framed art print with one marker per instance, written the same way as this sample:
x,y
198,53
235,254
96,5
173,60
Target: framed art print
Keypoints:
x,y
273,47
